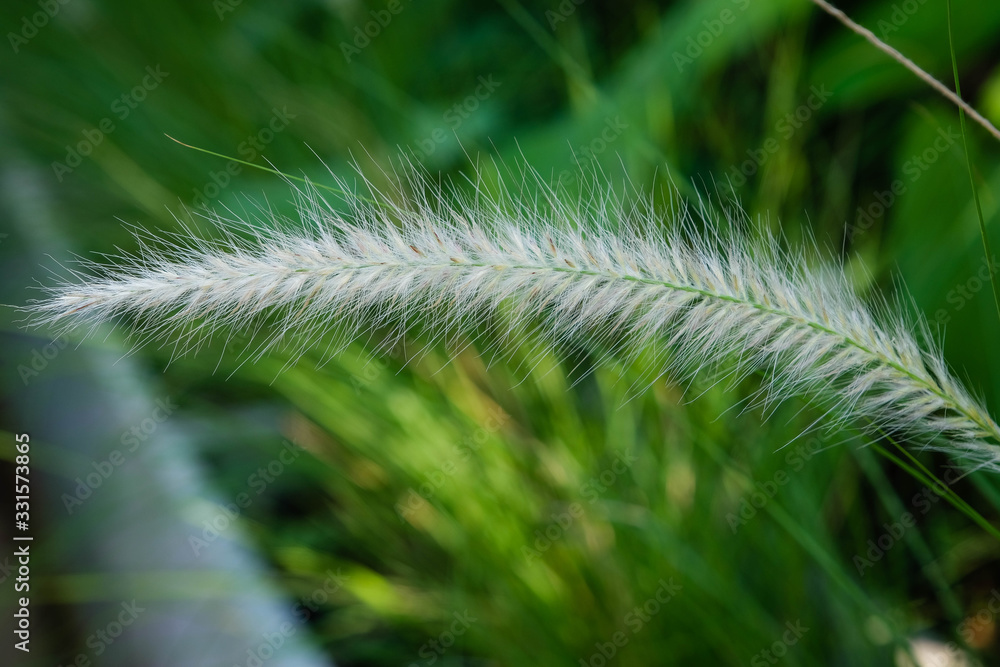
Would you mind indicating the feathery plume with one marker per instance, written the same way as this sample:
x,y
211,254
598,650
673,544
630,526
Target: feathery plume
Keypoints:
x,y
599,270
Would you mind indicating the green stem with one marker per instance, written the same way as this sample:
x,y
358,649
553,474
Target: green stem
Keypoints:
x,y
986,426
972,180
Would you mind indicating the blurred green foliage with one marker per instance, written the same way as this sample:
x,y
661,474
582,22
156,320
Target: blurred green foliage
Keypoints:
x,y
440,487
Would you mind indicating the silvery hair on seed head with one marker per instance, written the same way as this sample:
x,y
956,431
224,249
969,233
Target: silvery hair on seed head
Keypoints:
x,y
607,270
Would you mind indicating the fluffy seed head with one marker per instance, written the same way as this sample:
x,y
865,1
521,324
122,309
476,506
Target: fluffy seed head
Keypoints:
x,y
603,271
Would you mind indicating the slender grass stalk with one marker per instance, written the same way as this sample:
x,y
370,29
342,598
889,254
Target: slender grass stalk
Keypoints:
x,y
968,161
920,473
908,64
601,272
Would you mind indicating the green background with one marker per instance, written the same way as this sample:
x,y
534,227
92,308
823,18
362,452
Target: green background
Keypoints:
x,y
426,480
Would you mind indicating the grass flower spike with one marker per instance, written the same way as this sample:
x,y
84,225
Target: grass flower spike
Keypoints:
x,y
604,272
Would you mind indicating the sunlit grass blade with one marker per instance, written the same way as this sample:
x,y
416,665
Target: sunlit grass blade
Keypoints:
x,y
972,179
